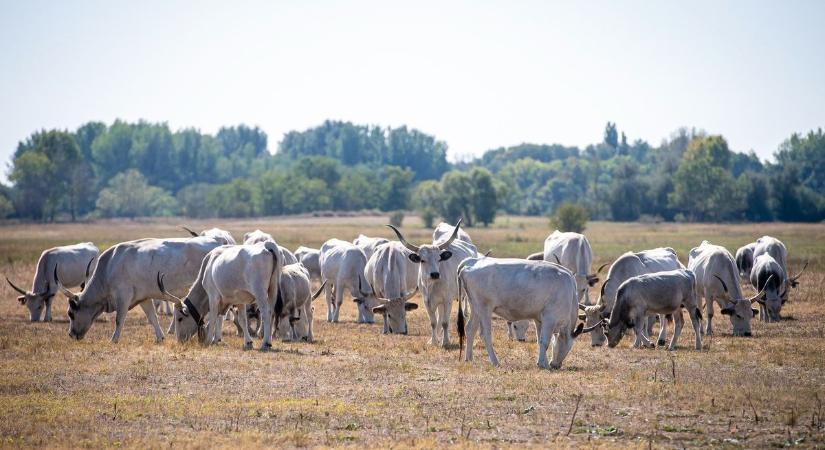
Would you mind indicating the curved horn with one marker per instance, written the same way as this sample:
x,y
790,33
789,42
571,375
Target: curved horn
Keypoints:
x,y
598,324
452,237
88,267
190,231
409,246
759,294
60,286
164,291
582,307
320,289
724,286
15,287
557,259
601,293
410,295
793,279
602,267
489,252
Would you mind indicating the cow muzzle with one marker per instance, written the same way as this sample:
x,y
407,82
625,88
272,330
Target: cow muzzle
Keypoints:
x,y
435,275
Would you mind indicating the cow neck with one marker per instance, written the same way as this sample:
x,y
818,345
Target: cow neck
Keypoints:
x,y
193,311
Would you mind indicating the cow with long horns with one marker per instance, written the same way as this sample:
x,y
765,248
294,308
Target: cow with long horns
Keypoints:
x,y
342,269
437,269
778,251
767,275
572,250
76,264
394,279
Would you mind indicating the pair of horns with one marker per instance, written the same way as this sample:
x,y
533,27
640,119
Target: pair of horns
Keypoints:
x,y
416,249
403,298
751,299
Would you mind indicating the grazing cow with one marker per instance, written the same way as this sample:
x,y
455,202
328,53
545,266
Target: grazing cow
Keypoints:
x,y
517,289
254,237
125,278
663,293
216,233
368,244
629,265
437,268
342,269
444,230
744,260
76,263
572,250
767,276
394,278
295,321
310,258
518,330
775,248
717,280
230,275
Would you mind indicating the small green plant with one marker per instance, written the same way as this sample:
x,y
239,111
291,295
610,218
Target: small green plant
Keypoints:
x,y
397,218
569,217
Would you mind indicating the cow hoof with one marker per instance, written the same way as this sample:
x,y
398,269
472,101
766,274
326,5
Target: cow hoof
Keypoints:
x,y
661,342
248,346
159,340
265,347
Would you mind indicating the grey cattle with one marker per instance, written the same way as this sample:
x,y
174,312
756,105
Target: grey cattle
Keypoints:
x,y
342,269
627,266
125,278
437,269
717,280
394,278
254,237
444,230
216,233
310,258
767,276
663,293
572,250
516,290
76,263
368,244
744,260
777,250
295,321
230,275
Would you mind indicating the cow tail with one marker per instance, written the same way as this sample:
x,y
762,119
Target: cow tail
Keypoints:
x,y
272,248
459,323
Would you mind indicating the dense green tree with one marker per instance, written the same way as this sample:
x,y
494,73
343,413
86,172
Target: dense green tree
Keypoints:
x,y
626,193
129,195
704,188
611,135
457,197
395,189
485,202
427,201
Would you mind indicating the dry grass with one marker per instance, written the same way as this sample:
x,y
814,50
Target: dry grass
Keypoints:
x,y
355,387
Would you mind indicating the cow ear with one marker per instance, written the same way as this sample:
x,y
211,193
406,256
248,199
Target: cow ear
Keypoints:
x,y
380,309
755,312
415,258
22,299
358,300
409,306
728,311
582,317
446,254
73,304
592,281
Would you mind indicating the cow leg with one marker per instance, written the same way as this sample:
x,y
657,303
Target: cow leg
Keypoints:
x,y
650,321
663,329
171,329
639,329
679,321
444,318
562,346
486,322
308,313
545,332
763,313
709,313
432,313
339,301
329,295
120,320
471,329
697,326
48,316
243,321
149,309
266,320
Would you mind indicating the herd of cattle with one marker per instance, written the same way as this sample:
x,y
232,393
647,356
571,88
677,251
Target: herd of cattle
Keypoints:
x,y
210,279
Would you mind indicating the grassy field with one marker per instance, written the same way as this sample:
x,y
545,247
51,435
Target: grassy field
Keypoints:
x,y
356,387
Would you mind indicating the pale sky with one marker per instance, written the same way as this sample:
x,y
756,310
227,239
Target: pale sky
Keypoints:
x,y
477,75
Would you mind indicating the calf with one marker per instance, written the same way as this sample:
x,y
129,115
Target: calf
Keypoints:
x,y
654,293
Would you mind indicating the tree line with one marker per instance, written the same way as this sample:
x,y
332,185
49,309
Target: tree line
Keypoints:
x,y
147,169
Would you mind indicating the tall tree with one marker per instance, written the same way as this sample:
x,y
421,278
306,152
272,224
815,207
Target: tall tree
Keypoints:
x,y
611,135
485,201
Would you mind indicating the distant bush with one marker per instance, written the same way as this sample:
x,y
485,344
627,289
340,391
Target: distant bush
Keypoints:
x,y
569,217
648,218
397,218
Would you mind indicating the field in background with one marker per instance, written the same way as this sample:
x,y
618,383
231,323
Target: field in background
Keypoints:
x,y
354,386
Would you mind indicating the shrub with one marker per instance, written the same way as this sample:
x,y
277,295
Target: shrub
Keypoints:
x,y
397,218
569,217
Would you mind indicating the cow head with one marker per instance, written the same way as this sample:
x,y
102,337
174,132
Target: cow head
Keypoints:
x,y
739,310
593,315
395,311
615,332
366,300
518,330
188,320
430,256
81,313
32,300
793,280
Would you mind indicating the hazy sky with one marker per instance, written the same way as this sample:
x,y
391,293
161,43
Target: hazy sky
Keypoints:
x,y
476,74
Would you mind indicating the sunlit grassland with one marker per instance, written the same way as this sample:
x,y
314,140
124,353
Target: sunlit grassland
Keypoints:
x,y
354,386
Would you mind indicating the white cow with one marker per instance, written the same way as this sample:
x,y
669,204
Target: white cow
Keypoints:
x,y
775,248
437,269
254,237
295,321
76,263
216,233
717,280
125,278
572,250
517,289
342,269
394,280
627,266
767,276
744,260
444,230
230,275
368,244
310,258
663,293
